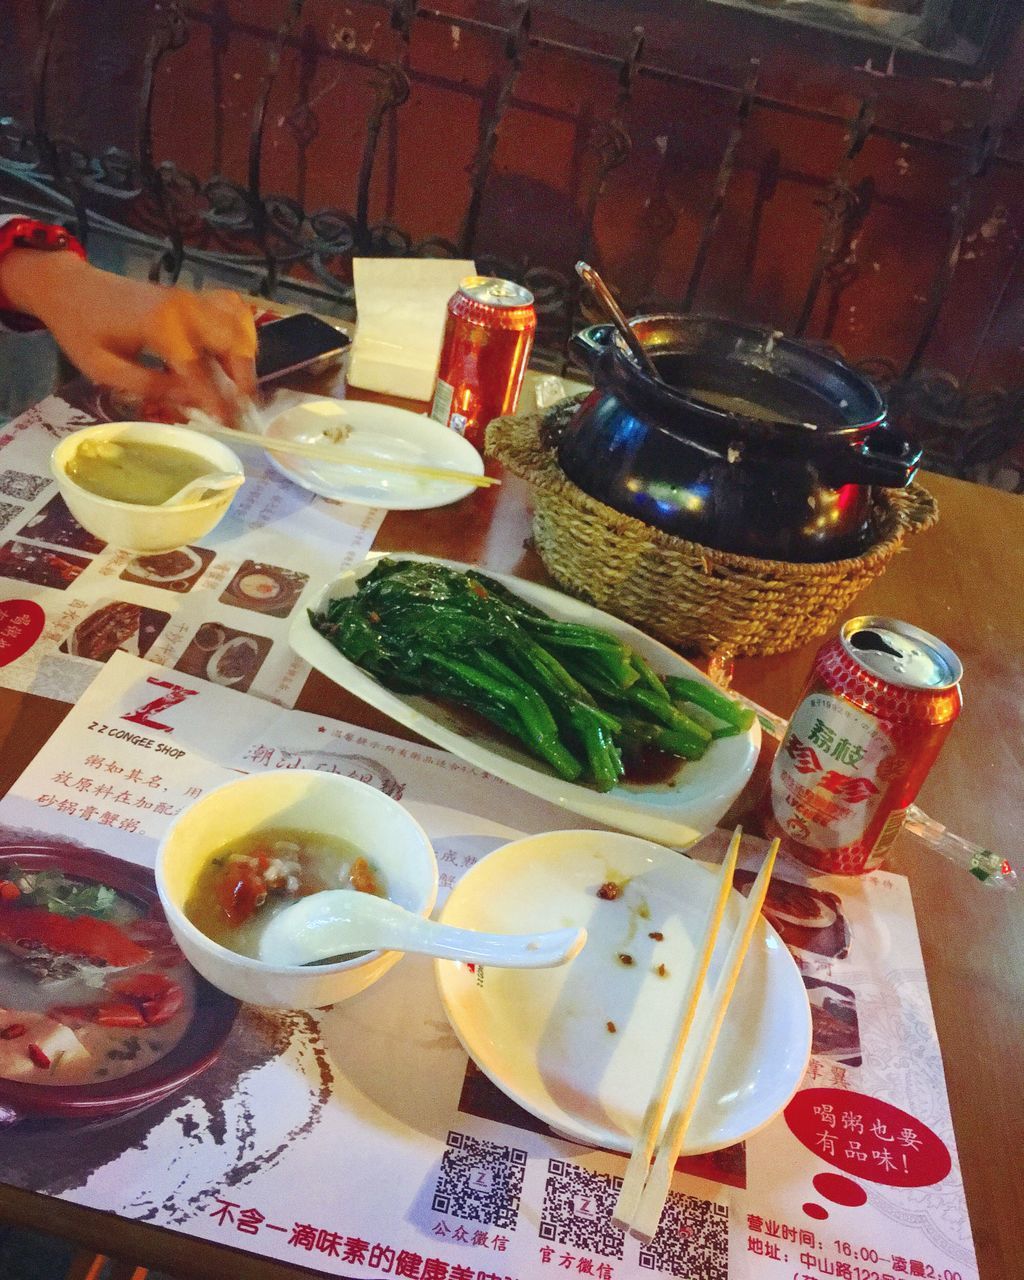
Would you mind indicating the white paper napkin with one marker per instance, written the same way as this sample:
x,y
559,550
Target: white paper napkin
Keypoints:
x,y
401,304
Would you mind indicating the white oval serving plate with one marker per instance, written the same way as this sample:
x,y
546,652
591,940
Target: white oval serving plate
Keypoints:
x,y
676,812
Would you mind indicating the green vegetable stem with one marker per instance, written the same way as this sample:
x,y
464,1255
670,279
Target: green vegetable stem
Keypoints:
x,y
575,696
728,710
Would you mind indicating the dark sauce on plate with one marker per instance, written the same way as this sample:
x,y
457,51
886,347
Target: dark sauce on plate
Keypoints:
x,y
650,766
475,726
647,767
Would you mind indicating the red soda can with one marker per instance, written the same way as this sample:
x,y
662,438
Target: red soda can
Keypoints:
x,y
487,341
881,699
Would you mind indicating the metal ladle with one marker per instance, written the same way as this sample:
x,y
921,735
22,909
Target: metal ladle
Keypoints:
x,y
604,296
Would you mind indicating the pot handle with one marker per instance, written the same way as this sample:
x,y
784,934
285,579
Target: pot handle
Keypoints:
x,y
589,345
885,459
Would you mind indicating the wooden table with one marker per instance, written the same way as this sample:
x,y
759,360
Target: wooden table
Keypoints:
x,y
961,581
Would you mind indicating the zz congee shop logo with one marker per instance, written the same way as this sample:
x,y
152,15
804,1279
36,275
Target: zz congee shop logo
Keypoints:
x,y
173,695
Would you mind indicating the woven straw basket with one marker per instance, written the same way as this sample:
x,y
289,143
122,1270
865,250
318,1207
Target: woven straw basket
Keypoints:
x,y
690,596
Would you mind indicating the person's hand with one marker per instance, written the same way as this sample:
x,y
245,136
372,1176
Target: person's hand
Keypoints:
x,y
105,322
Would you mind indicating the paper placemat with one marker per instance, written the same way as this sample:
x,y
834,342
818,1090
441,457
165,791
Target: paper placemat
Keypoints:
x,y
359,1141
218,609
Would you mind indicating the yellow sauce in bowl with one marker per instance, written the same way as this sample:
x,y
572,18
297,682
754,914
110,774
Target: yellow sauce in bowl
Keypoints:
x,y
134,471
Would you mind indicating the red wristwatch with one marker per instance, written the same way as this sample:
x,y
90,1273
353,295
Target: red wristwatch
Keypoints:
x,y
26,233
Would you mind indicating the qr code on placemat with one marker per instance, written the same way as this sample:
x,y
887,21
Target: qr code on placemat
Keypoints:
x,y
578,1208
692,1240
481,1181
22,486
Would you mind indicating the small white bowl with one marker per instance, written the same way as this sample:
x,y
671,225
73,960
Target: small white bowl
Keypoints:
x,y
130,525
391,839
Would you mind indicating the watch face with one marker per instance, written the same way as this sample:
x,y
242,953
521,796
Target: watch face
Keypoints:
x,y
27,233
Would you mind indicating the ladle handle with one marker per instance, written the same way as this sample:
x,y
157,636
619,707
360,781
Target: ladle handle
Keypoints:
x,y
506,950
337,921
604,295
203,485
589,345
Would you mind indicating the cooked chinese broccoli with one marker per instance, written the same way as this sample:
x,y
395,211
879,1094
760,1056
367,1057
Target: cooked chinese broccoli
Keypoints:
x,y
575,696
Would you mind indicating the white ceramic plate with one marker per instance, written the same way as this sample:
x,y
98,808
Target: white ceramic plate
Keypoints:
x,y
676,812
383,432
542,1036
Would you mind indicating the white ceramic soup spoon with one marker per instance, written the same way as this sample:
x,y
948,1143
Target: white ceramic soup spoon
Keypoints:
x,y
212,482
339,921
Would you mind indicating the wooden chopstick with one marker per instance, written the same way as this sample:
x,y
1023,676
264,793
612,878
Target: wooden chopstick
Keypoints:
x,y
338,455
655,1193
643,1148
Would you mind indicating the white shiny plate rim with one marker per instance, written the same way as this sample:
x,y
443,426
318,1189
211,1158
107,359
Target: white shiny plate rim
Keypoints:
x,y
638,811
564,1126
429,495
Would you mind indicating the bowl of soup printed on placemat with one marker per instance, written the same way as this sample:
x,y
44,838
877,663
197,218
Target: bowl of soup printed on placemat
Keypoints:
x,y
265,588
100,1013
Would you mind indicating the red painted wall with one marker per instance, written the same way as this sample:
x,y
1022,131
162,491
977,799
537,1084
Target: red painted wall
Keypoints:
x,y
547,161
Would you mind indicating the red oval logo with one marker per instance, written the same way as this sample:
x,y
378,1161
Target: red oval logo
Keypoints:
x,y
21,624
868,1137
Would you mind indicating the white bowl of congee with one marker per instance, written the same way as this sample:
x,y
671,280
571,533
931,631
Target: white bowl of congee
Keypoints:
x,y
115,476
248,849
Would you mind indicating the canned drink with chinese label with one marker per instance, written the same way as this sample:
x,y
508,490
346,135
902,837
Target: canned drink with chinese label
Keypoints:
x,y
487,341
880,702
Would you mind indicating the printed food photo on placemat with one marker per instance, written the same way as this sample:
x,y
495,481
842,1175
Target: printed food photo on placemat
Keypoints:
x,y
224,656
265,588
22,486
27,563
55,524
100,1013
809,921
177,570
835,1029
118,625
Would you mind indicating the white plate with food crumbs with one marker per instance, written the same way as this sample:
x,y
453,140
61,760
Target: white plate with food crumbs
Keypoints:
x,y
378,431
581,1047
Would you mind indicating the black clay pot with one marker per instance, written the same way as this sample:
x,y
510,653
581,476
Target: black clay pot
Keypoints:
x,y
750,442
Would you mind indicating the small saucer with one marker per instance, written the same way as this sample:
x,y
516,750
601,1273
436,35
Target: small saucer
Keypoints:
x,y
380,430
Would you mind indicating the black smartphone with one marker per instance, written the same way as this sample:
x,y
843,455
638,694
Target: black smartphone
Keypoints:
x,y
296,342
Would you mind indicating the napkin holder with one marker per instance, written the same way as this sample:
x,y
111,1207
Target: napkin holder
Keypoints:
x,y
402,305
